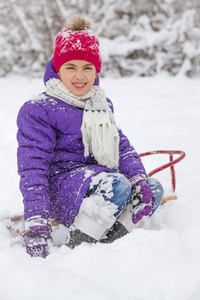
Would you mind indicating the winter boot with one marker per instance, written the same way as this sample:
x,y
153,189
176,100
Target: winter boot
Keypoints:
x,y
77,237
115,232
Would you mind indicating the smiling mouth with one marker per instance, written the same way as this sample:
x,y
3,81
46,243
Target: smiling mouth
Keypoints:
x,y
79,85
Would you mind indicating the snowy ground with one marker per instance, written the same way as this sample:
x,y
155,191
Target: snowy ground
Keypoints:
x,y
160,258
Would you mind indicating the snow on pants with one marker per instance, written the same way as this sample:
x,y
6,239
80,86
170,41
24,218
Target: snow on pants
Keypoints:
x,y
107,197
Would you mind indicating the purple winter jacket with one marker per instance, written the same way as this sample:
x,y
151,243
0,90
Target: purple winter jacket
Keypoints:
x,y
55,175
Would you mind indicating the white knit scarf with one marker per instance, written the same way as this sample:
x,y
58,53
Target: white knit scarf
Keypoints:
x,y
99,132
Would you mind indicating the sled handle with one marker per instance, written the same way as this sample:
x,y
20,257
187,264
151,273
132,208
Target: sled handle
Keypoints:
x,y
170,164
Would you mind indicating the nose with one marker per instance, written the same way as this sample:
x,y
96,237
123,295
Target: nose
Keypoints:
x,y
79,75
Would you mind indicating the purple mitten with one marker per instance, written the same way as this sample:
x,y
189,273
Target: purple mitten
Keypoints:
x,y
142,200
36,247
38,233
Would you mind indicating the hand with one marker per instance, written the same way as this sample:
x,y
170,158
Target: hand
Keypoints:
x,y
37,237
142,200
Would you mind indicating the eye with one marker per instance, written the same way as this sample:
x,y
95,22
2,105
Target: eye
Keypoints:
x,y
88,68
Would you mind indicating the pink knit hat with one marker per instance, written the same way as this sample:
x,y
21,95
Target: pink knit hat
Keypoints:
x,y
77,45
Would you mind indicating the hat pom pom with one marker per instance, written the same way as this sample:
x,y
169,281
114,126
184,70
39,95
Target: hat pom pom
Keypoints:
x,y
78,23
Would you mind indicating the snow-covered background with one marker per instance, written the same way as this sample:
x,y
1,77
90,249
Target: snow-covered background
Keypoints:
x,y
160,258
138,37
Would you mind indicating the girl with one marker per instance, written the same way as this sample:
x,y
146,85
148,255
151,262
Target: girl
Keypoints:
x,y
75,165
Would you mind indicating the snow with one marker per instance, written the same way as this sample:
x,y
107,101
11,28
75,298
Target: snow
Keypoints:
x,y
160,258
95,207
137,37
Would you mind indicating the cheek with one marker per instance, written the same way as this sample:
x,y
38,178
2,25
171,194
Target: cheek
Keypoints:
x,y
65,78
93,77
67,84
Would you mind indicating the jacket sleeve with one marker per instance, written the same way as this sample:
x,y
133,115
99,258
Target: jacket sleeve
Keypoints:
x,y
130,163
36,142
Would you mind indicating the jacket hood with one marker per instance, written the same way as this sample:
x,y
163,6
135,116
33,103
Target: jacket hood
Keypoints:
x,y
51,73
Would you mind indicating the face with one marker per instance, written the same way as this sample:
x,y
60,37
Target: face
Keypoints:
x,y
78,76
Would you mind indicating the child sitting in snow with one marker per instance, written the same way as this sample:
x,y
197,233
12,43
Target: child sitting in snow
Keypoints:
x,y
75,165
